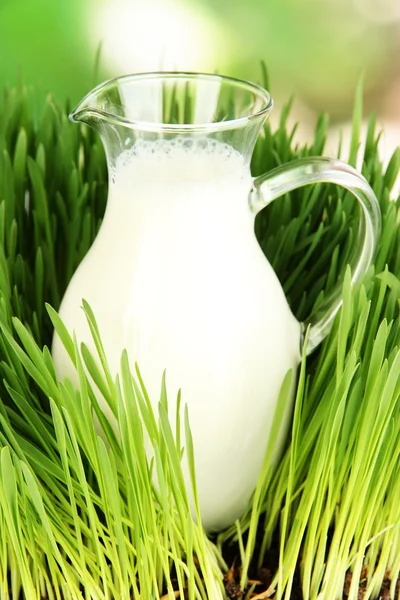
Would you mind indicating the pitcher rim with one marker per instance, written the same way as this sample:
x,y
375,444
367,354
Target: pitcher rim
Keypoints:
x,y
210,126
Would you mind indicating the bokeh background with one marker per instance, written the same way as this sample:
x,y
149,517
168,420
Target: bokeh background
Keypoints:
x,y
316,50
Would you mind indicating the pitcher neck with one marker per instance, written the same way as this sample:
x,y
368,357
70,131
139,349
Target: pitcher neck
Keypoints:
x,y
163,106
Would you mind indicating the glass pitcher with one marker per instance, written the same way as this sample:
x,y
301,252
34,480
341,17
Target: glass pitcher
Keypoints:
x,y
176,275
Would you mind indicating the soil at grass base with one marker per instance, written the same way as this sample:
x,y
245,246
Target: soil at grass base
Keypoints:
x,y
264,576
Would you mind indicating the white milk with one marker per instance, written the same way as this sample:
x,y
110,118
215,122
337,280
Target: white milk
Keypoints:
x,y
176,276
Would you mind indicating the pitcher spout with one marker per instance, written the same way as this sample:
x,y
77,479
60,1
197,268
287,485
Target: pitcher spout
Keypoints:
x,y
102,104
84,114
90,110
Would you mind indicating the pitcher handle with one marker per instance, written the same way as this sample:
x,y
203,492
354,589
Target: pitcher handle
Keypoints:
x,y
302,172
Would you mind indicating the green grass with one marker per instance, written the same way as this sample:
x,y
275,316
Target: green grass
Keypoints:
x,y
80,516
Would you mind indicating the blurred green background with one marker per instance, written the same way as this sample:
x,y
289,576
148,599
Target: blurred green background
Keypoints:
x,y
315,49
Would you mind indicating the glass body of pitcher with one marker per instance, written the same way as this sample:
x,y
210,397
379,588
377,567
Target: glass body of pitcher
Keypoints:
x,y
177,278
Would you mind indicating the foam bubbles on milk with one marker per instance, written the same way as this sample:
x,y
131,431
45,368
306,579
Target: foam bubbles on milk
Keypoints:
x,y
179,146
180,158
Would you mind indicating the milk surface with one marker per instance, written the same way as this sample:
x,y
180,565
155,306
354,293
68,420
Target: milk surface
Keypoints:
x,y
176,276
